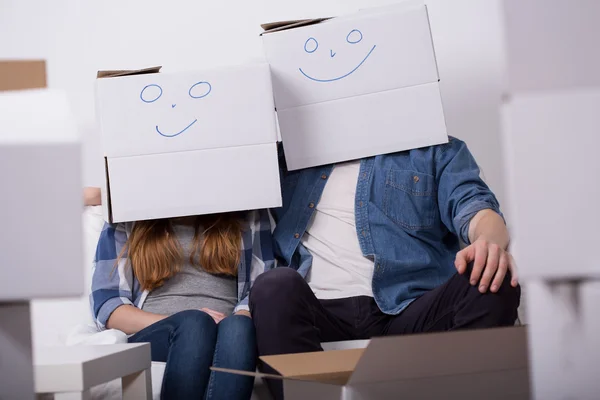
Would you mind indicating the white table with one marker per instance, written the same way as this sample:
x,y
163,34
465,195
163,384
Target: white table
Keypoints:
x,y
71,371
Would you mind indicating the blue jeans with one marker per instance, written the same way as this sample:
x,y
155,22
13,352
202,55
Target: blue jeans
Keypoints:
x,y
190,342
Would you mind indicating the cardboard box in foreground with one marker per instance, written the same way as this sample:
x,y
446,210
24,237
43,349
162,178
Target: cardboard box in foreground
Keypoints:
x,y
565,344
551,141
478,364
355,86
40,179
187,143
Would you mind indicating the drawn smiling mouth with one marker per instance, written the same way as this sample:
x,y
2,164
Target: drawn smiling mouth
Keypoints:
x,y
175,134
339,77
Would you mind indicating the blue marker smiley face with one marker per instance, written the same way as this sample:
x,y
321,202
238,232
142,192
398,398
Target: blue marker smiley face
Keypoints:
x,y
312,45
153,92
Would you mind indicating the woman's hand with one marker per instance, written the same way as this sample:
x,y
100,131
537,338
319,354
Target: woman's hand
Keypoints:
x,y
217,316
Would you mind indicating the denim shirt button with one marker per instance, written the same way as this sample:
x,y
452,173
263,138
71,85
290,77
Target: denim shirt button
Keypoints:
x,y
364,233
311,205
323,176
296,235
360,203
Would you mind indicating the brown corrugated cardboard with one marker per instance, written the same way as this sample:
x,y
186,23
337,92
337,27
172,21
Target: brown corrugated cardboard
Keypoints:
x,y
127,72
283,25
332,366
22,74
477,364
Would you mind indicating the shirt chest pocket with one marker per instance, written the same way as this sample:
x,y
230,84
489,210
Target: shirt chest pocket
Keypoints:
x,y
410,199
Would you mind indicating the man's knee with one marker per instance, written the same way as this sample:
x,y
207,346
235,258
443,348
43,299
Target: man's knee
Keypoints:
x,y
275,286
505,302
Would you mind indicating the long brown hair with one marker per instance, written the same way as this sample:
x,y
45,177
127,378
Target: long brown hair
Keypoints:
x,y
156,255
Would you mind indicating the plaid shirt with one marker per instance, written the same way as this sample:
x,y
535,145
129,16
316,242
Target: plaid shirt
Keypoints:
x,y
113,287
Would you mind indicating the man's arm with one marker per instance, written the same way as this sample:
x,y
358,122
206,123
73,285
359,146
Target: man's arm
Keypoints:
x,y
470,210
489,226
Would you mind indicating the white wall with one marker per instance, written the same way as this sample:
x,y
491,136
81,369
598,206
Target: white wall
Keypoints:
x,y
77,38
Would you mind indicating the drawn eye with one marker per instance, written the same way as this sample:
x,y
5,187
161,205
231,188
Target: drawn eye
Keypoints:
x,y
150,93
311,45
200,90
354,36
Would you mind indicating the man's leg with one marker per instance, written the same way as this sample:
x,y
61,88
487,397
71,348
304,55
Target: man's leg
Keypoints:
x,y
458,305
290,319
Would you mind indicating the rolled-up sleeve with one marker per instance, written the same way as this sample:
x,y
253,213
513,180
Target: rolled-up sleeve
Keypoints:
x,y
461,191
112,282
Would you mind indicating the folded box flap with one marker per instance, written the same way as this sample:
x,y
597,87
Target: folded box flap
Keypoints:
x,y
127,72
334,366
291,24
442,354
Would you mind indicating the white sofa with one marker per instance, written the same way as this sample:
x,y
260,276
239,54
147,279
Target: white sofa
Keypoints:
x,y
69,321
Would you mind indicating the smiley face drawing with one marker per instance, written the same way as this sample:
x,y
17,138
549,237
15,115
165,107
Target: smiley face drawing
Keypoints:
x,y
152,92
312,45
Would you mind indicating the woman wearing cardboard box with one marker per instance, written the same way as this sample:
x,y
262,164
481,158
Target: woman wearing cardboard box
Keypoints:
x,y
182,284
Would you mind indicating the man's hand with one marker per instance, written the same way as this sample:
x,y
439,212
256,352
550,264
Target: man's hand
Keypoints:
x,y
245,313
490,264
217,316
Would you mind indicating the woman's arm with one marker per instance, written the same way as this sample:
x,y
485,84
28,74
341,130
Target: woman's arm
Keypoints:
x,y
258,239
112,282
130,319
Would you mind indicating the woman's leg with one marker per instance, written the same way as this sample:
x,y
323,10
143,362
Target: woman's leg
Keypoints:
x,y
186,342
235,349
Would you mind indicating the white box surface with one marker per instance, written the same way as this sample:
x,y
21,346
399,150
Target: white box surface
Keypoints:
x,y
563,339
552,44
363,82
188,143
156,113
194,182
553,169
40,175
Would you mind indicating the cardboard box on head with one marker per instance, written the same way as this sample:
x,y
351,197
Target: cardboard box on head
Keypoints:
x,y
187,143
355,86
476,364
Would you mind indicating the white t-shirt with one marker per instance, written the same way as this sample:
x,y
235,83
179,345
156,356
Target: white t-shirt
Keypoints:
x,y
339,269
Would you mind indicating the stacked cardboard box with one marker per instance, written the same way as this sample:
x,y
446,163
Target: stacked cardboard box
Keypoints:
x,y
40,243
551,126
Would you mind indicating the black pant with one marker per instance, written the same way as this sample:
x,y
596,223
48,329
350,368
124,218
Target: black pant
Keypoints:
x,y
290,319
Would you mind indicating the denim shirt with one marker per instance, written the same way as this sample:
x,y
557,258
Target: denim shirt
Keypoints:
x,y
412,209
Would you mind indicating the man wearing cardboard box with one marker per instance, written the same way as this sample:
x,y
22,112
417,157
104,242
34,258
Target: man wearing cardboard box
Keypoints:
x,y
376,241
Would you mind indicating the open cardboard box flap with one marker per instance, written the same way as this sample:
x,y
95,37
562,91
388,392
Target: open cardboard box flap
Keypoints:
x,y
406,357
284,25
127,72
277,26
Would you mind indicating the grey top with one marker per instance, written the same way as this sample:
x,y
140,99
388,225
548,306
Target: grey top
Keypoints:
x,y
192,288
